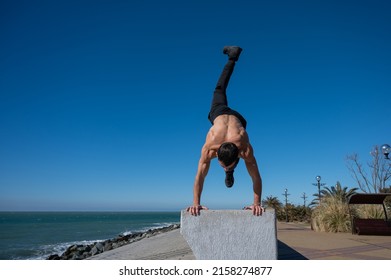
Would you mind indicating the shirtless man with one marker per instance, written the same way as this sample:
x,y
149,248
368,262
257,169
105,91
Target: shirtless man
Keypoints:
x,y
227,140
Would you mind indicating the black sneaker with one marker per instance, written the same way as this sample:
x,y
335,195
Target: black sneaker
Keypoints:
x,y
233,52
229,179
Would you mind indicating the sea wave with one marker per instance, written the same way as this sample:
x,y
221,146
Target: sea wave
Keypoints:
x,y
150,227
44,251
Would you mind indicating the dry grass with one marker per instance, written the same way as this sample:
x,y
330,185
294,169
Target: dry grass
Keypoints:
x,y
369,211
332,215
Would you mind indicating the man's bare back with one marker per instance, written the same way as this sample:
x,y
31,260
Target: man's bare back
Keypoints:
x,y
226,128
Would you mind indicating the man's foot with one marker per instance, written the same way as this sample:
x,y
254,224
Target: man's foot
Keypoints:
x,y
233,52
229,178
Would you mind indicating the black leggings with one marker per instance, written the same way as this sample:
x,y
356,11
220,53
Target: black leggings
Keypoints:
x,y
219,103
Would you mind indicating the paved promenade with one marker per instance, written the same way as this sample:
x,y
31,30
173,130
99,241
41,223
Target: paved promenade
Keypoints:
x,y
299,242
164,246
295,242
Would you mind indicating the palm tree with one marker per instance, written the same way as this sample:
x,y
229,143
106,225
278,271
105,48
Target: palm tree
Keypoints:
x,y
315,201
342,194
273,202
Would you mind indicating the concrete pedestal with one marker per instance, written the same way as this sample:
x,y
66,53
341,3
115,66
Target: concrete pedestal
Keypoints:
x,y
231,235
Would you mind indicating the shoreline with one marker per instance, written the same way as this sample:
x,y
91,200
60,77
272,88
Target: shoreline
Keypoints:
x,y
81,252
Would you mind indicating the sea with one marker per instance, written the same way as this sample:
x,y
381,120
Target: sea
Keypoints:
x,y
37,235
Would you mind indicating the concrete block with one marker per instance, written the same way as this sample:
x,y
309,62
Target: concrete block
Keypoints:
x,y
231,234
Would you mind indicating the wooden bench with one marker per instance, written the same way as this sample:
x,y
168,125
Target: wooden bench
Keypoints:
x,y
371,226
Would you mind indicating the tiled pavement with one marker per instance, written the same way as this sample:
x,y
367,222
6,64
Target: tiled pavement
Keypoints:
x,y
299,242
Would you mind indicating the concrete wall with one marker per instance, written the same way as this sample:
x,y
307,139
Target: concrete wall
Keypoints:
x,y
231,235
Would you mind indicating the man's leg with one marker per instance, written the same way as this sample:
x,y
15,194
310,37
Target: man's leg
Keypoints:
x,y
219,96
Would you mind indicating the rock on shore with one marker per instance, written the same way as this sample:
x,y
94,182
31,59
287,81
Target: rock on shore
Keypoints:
x,y
80,252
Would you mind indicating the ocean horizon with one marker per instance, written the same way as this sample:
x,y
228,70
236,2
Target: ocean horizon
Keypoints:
x,y
35,235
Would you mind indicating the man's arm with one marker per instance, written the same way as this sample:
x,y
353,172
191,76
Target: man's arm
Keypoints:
x,y
202,171
253,171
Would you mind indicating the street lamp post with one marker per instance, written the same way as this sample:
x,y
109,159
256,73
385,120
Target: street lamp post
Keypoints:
x,y
304,197
286,205
386,150
319,184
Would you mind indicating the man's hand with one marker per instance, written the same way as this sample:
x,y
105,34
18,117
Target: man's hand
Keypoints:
x,y
195,209
257,209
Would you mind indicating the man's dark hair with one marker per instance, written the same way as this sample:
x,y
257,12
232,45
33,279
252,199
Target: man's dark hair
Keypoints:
x,y
228,153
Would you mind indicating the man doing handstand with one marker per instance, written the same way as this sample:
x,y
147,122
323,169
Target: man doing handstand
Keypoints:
x,y
227,140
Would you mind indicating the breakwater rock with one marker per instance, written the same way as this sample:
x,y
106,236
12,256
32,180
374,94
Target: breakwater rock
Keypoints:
x,y
80,252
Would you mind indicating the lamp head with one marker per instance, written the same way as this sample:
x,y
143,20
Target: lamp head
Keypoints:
x,y
386,150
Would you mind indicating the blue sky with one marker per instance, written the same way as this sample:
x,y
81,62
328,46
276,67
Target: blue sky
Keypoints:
x,y
103,104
